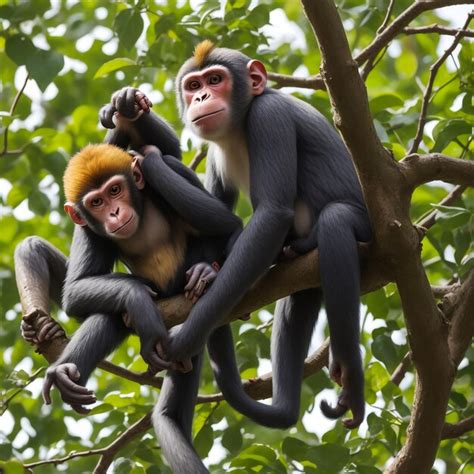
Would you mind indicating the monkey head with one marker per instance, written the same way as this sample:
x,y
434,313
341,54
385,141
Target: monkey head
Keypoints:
x,y
215,87
102,185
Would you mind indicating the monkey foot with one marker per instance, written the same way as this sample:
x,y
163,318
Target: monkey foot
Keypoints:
x,y
37,327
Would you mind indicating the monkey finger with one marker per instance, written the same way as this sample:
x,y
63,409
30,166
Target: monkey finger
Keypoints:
x,y
157,363
187,365
65,383
48,383
143,102
54,332
193,278
72,371
76,399
45,329
106,115
80,409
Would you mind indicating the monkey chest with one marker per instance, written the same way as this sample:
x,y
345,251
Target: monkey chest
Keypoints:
x,y
160,265
232,164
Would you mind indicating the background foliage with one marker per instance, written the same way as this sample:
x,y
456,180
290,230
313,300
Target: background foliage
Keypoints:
x,y
77,54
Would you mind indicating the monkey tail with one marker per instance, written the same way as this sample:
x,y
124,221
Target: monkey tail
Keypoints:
x,y
332,412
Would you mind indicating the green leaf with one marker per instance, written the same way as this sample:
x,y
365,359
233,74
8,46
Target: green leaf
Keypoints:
x,y
38,202
384,350
129,26
232,439
113,65
377,376
295,449
384,101
447,130
204,440
330,458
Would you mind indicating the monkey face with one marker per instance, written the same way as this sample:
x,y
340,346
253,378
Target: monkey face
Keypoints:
x,y
112,206
207,96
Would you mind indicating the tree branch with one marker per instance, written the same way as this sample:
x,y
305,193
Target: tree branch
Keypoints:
x,y
429,220
455,430
401,370
460,306
439,29
108,453
282,80
198,157
12,111
429,88
419,169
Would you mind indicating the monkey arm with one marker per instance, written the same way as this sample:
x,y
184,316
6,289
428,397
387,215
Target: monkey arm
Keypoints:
x,y
195,205
91,288
273,165
147,129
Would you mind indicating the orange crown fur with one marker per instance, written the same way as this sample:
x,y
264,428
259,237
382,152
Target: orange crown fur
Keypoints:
x,y
92,164
202,50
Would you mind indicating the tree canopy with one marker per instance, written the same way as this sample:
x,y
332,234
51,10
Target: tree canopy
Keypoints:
x,y
396,77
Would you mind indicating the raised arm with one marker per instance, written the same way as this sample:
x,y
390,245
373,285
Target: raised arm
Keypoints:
x,y
131,123
193,203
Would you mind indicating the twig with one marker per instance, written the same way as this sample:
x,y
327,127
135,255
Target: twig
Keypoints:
x,y
12,111
430,219
429,88
198,157
387,17
140,378
439,29
454,430
282,80
442,291
107,452
401,370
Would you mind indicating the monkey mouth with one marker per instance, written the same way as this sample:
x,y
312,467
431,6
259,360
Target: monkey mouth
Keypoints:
x,y
210,114
122,226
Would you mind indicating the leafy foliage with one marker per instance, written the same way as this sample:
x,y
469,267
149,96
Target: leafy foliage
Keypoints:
x,y
76,55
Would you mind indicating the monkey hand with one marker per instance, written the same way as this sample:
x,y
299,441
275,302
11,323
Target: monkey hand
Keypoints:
x,y
46,328
127,103
183,345
199,277
65,377
154,355
352,395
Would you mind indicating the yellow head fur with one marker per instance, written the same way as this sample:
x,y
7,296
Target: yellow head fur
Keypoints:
x,y
202,50
90,166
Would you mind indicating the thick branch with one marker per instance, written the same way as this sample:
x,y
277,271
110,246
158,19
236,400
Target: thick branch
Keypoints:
x,y
462,320
419,169
457,429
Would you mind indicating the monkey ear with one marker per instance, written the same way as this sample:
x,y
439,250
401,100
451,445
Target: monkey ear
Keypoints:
x,y
74,215
258,76
138,178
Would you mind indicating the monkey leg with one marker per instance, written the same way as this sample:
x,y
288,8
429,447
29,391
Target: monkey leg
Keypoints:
x,y
293,326
40,272
173,417
340,226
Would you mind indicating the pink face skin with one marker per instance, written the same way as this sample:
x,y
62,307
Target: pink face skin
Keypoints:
x,y
207,96
111,204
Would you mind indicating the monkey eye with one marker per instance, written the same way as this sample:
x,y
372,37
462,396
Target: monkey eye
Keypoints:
x,y
115,189
214,79
96,202
193,85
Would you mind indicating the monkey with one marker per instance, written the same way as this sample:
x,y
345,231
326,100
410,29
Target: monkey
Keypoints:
x,y
304,189
180,232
